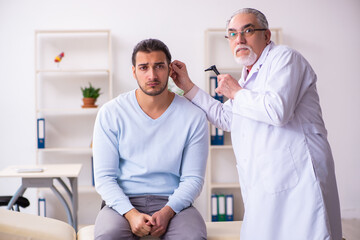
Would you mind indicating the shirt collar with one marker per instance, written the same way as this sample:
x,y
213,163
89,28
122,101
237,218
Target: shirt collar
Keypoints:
x,y
257,65
262,58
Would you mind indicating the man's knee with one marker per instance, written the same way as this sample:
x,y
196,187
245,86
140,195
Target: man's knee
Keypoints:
x,y
110,225
187,224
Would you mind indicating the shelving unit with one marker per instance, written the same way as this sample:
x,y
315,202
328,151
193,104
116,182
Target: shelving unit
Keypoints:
x,y
68,126
221,175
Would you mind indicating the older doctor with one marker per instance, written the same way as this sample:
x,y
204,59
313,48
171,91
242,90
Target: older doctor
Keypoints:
x,y
284,161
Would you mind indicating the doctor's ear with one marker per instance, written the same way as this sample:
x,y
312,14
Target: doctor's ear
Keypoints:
x,y
267,36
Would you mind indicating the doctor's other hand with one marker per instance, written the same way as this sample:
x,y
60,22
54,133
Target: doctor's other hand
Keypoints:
x,y
180,76
139,222
227,86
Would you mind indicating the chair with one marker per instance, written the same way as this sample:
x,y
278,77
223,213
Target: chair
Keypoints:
x,y
20,202
23,226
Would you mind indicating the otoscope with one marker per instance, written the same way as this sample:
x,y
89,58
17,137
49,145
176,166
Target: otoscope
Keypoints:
x,y
213,68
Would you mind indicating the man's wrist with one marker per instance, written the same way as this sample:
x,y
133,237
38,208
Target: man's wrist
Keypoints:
x,y
130,213
169,211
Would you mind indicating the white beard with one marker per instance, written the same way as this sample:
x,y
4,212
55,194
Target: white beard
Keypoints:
x,y
248,60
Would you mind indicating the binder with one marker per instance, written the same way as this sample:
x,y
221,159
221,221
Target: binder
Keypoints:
x,y
229,207
213,84
221,207
217,136
213,135
42,207
220,136
41,132
214,208
92,170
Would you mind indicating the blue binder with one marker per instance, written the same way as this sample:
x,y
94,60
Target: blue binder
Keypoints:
x,y
42,207
214,208
41,132
229,199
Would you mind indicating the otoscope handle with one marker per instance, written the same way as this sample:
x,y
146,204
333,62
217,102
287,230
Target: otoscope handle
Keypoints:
x,y
213,68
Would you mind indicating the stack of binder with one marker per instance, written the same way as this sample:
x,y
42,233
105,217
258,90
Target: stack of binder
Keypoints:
x,y
222,207
217,134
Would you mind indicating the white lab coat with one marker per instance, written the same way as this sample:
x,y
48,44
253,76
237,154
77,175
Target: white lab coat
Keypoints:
x,y
284,161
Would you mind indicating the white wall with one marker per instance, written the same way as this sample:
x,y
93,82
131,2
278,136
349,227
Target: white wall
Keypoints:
x,y
326,32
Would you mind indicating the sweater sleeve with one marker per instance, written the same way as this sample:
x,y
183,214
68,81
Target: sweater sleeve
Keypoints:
x,y
193,166
106,163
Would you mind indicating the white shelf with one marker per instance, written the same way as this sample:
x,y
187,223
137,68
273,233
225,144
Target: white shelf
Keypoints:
x,y
73,71
225,185
77,150
68,110
220,147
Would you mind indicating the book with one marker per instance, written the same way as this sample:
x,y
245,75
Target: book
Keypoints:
x,y
229,199
42,206
213,84
221,207
217,136
41,132
92,170
214,208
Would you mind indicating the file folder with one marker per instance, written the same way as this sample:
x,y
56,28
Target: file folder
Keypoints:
x,y
229,207
214,208
41,132
213,83
221,208
42,207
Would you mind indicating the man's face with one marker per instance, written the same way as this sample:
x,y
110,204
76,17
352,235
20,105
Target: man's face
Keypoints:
x,y
151,72
247,49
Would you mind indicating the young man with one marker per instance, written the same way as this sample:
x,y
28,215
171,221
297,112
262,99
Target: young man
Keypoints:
x,y
150,151
286,170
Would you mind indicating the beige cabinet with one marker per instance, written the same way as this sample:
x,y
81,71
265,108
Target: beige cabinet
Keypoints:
x,y
68,131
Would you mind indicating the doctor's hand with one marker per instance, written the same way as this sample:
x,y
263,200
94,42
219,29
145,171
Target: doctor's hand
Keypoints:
x,y
180,76
227,86
160,221
139,222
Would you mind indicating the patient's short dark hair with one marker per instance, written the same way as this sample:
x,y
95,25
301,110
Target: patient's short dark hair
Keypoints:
x,y
148,46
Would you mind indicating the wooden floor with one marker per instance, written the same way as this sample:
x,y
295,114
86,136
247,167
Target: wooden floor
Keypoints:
x,y
351,229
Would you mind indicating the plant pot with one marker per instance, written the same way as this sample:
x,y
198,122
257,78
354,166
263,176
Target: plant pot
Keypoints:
x,y
89,103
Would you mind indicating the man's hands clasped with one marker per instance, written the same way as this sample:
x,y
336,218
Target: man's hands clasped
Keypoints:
x,y
143,224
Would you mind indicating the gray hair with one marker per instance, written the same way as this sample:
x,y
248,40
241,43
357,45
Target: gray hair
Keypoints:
x,y
259,16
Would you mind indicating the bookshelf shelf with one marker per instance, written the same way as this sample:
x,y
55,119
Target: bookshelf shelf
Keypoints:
x,y
77,150
68,127
225,185
74,111
73,71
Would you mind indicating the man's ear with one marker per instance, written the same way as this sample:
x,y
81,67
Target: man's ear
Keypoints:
x,y
267,36
170,70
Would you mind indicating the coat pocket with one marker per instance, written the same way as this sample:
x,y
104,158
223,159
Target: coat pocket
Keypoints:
x,y
278,171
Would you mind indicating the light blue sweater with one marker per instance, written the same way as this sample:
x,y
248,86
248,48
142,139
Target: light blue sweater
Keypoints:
x,y
137,155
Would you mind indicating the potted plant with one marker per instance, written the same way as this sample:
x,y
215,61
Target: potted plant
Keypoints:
x,y
90,95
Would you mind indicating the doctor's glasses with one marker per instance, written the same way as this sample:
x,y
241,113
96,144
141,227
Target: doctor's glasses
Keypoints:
x,y
233,34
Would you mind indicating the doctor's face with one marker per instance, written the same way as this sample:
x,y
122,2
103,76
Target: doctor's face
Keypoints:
x,y
247,38
151,71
